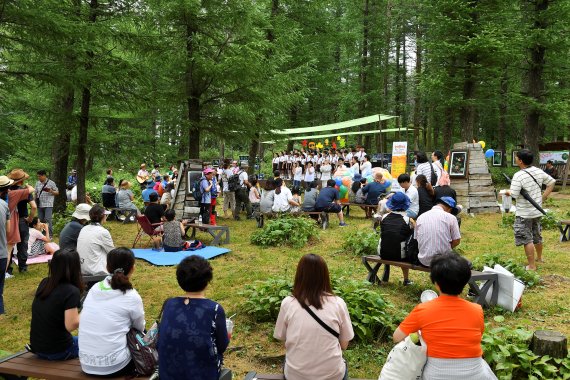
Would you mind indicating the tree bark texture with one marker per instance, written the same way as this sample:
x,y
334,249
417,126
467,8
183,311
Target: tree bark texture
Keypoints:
x,y
534,81
503,107
193,91
417,99
61,148
468,112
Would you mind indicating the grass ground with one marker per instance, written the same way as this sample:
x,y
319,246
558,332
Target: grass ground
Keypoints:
x,y
545,306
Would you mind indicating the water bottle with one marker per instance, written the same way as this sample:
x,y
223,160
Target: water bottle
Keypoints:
x,y
200,220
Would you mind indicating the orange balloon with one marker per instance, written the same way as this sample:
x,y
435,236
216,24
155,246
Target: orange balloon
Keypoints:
x,y
347,181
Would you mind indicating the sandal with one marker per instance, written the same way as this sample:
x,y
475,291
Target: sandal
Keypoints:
x,y
527,268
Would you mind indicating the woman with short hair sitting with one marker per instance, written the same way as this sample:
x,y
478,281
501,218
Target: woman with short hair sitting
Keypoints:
x,y
313,351
451,326
55,309
112,307
192,336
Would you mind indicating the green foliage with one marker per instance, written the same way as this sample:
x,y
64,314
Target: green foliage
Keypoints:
x,y
60,219
499,179
548,221
285,230
361,243
372,317
530,278
506,350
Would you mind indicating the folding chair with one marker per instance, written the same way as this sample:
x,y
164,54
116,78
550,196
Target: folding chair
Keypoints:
x,y
145,227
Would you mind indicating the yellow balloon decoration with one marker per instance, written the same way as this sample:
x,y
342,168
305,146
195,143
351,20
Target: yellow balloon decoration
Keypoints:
x,y
482,143
338,137
319,145
342,143
327,142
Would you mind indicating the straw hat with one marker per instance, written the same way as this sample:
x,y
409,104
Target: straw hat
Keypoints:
x,y
5,182
18,175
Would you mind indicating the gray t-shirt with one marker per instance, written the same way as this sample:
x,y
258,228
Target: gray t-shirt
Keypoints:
x,y
310,200
124,200
69,234
266,202
4,217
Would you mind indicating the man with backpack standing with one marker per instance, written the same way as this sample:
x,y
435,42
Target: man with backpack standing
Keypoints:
x,y
205,194
527,226
242,192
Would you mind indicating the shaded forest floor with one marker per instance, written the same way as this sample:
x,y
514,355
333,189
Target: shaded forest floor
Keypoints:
x,y
545,306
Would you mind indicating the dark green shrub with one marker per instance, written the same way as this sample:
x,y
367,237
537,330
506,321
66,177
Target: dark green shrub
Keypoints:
x,y
372,317
286,230
361,243
507,352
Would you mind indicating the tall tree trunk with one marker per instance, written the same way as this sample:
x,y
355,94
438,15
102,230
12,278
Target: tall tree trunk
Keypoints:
x,y
192,93
404,73
386,68
364,68
253,152
61,148
502,141
84,115
417,99
448,128
397,87
468,112
534,81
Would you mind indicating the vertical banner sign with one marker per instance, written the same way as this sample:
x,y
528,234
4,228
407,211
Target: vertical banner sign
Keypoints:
x,y
399,156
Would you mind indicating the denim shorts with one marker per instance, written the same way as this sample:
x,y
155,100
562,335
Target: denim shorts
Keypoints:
x,y
527,231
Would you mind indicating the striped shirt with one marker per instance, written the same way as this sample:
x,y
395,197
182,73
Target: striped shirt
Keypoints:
x,y
425,169
435,230
46,199
523,180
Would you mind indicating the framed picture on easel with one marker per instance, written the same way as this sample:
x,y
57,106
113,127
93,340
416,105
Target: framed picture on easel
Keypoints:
x,y
513,156
459,163
498,158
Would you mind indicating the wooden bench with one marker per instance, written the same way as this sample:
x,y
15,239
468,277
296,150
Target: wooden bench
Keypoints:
x,y
480,294
216,231
261,376
564,228
365,205
27,364
323,217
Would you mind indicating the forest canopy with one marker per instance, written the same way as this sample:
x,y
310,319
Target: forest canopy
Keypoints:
x,y
87,83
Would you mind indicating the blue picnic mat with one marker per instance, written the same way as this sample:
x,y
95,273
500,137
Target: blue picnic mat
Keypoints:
x,y
174,258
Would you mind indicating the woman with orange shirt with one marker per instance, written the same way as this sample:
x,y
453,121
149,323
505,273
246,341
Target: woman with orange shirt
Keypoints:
x,y
451,326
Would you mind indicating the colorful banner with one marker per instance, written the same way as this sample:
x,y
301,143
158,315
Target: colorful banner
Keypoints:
x,y
399,157
559,157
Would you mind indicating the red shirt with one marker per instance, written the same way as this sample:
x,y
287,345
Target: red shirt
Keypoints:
x,y
451,327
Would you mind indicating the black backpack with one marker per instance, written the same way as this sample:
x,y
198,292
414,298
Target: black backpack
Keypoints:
x,y
412,250
197,191
233,182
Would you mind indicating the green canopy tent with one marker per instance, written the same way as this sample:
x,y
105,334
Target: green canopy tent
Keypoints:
x,y
334,129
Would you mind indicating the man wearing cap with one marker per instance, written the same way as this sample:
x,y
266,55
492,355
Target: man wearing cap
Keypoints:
x,y
72,179
437,230
242,193
25,217
142,176
13,197
46,191
68,236
206,185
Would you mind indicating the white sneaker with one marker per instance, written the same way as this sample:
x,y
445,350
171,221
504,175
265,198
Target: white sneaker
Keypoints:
x,y
8,275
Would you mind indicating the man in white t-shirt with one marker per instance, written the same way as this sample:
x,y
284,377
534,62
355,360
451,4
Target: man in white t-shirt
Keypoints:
x,y
527,217
242,193
412,193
